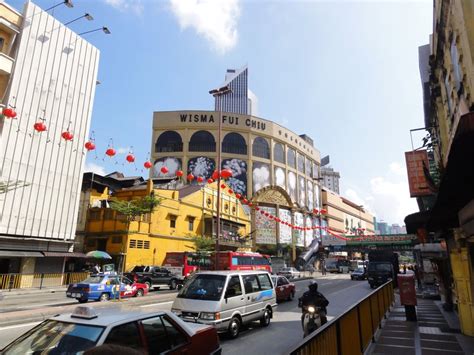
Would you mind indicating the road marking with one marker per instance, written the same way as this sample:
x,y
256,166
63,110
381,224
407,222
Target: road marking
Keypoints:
x,y
156,304
19,326
345,289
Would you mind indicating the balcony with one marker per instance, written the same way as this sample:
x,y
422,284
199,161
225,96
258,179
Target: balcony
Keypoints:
x,y
6,64
107,220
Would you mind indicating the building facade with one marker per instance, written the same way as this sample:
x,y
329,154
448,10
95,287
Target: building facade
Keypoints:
x,y
240,100
52,83
274,167
330,179
183,213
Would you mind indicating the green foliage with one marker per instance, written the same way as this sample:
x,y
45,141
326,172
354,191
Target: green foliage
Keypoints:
x,y
135,208
203,243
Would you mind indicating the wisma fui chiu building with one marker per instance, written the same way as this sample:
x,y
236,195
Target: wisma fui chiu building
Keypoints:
x,y
273,166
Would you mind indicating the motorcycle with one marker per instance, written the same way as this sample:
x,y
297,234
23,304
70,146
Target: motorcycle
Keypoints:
x,y
311,319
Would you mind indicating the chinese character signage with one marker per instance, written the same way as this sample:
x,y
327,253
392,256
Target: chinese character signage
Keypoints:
x,y
265,227
285,231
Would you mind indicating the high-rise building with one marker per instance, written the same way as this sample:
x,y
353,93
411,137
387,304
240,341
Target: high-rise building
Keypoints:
x,y
51,86
241,99
330,179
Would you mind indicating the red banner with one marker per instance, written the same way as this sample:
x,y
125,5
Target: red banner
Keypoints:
x,y
417,181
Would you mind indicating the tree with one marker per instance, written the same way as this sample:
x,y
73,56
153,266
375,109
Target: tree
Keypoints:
x,y
135,208
202,243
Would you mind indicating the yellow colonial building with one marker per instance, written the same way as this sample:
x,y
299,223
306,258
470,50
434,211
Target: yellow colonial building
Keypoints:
x,y
184,212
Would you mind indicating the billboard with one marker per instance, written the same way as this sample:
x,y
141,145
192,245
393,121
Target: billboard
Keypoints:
x,y
265,227
299,235
417,164
173,164
201,166
238,181
285,231
261,176
328,239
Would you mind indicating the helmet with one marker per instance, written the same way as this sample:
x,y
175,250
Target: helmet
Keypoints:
x,y
313,286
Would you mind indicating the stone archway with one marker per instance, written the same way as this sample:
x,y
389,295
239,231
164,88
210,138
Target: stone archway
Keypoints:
x,y
273,195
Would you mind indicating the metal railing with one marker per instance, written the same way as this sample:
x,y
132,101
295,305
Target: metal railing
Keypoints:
x,y
40,280
354,330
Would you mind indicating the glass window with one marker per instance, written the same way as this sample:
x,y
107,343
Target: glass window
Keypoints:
x,y
260,148
279,153
300,163
125,335
169,141
282,281
234,143
156,336
455,62
56,337
202,141
175,336
235,286
308,167
265,283
173,222
191,223
203,287
291,158
251,284
93,280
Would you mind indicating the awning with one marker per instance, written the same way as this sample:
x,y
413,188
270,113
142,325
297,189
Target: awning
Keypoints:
x,y
20,254
416,220
457,186
60,254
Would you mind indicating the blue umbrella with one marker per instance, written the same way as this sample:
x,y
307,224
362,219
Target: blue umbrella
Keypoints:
x,y
97,254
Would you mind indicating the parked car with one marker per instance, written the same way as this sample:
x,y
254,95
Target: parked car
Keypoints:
x,y
102,287
289,272
155,276
150,333
359,274
227,299
285,290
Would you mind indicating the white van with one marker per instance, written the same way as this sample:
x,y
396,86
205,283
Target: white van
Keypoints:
x,y
227,299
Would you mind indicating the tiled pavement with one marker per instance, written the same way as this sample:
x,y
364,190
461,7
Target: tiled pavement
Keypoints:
x,y
431,335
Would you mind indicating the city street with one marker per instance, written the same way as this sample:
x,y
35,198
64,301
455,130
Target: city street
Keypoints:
x,y
283,332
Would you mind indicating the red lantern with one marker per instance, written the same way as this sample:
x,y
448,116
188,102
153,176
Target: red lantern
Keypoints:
x,y
271,216
179,173
164,170
147,164
110,152
323,211
245,201
9,113
230,191
215,175
226,173
39,126
89,145
257,208
238,195
200,179
315,211
130,158
266,214
210,181
277,219
250,204
223,186
67,136
190,177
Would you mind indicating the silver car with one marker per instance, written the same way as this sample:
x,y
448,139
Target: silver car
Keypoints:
x,y
289,273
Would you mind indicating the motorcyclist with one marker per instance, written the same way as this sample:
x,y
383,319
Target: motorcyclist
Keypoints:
x,y
315,298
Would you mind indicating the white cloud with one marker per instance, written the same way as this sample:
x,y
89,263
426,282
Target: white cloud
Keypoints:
x,y
397,169
123,150
134,6
367,202
215,20
94,168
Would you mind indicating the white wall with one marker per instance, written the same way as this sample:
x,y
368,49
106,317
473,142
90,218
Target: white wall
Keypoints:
x,y
54,78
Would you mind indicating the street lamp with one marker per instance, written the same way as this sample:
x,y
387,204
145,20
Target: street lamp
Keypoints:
x,y
68,3
218,93
103,29
87,16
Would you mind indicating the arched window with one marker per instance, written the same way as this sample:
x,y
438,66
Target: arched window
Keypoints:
x,y
260,148
202,141
291,158
279,153
169,141
234,143
300,163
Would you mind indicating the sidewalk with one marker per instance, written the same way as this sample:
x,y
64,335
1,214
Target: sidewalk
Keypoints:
x,y
31,291
436,332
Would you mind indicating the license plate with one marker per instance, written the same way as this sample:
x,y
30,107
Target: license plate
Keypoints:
x,y
76,295
68,293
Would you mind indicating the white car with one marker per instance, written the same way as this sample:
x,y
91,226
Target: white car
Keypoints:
x,y
289,273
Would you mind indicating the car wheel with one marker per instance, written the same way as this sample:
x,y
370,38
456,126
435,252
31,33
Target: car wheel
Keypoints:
x,y
234,328
265,320
148,283
173,285
139,293
104,297
291,296
82,300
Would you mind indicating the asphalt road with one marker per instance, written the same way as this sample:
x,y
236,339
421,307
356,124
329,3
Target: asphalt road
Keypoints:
x,y
283,332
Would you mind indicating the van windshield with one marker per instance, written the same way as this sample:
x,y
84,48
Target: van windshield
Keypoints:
x,y
203,287
380,267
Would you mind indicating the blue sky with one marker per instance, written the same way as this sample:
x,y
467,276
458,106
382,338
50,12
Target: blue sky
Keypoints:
x,y
346,71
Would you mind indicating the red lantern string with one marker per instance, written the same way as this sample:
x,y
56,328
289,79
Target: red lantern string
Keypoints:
x,y
190,177
164,170
147,164
210,181
238,195
89,146
39,127
130,158
223,186
9,112
200,179
179,173
67,136
215,175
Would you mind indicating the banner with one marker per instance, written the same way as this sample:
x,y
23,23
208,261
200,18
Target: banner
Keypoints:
x,y
308,234
265,227
285,230
299,234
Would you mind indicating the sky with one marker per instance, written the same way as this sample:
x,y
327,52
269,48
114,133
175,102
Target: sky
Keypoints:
x,y
345,71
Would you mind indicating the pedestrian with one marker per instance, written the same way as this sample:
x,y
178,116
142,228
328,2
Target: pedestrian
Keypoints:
x,y
323,267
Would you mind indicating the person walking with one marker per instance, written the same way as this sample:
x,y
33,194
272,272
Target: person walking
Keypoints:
x,y
323,267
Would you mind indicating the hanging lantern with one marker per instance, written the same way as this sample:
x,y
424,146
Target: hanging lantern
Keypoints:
x,y
250,204
245,201
39,127
262,212
67,136
223,186
210,181
315,211
200,179
230,191
9,112
215,175
164,170
179,173
323,211
226,173
89,146
110,152
277,219
271,216
130,158
257,208
147,164
190,177
238,196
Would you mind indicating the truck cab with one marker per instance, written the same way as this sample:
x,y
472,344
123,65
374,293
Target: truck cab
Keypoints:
x,y
379,272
